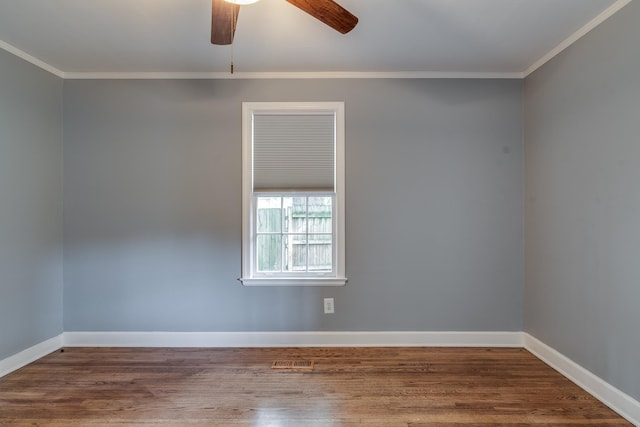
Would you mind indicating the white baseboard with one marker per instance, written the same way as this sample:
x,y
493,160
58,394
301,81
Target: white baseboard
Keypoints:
x,y
29,355
293,339
617,400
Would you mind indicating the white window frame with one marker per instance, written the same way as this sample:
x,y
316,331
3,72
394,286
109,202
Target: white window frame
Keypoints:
x,y
250,276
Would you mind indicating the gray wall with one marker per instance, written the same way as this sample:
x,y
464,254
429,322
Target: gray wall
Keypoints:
x,y
30,205
583,201
152,207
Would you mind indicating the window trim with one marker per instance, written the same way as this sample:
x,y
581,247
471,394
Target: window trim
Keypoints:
x,y
249,278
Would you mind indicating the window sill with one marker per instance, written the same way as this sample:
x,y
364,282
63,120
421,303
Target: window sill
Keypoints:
x,y
294,281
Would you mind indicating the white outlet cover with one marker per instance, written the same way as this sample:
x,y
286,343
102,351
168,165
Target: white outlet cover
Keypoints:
x,y
329,306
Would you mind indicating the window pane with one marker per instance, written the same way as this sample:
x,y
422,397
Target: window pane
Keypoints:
x,y
296,252
269,252
320,253
295,214
294,234
320,213
269,214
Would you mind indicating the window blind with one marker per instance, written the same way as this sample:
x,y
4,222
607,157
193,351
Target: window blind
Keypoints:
x,y
293,151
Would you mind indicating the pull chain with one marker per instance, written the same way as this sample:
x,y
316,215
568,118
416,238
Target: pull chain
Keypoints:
x,y
233,31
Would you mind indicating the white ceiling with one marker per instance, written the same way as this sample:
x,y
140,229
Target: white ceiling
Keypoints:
x,y
490,37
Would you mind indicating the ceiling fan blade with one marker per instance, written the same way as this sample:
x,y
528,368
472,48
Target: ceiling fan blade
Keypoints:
x,y
224,17
329,12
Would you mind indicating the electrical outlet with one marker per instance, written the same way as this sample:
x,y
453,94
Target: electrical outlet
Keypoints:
x,y
328,306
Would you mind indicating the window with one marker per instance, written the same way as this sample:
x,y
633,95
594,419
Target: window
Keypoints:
x,y
293,194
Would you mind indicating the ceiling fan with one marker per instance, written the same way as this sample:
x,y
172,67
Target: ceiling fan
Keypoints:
x,y
224,16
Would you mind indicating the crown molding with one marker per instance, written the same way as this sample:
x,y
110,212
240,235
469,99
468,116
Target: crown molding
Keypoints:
x,y
606,14
72,75
109,75
294,75
31,59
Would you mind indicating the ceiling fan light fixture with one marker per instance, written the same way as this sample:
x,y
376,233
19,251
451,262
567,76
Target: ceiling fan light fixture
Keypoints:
x,y
224,16
241,2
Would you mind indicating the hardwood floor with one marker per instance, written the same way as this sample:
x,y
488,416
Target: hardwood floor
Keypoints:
x,y
373,387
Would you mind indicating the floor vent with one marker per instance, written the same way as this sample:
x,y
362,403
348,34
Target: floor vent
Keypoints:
x,y
306,365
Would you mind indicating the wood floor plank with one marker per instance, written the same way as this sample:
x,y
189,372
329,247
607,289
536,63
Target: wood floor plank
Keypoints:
x,y
391,387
